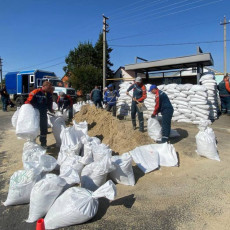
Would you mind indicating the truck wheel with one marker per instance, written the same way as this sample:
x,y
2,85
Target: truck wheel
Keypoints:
x,y
19,101
55,97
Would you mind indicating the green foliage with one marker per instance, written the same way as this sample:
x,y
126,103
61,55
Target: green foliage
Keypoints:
x,y
86,77
85,65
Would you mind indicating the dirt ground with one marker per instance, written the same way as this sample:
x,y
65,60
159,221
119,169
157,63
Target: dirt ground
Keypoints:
x,y
194,195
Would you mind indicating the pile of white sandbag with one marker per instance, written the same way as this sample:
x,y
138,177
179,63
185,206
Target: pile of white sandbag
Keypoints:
x,y
191,103
208,80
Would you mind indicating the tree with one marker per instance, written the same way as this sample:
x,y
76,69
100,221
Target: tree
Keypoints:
x,y
99,51
85,65
86,77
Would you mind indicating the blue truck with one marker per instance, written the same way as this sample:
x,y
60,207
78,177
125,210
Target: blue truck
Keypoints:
x,y
20,84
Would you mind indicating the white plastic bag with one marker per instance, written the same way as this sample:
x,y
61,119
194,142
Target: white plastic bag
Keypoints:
x,y
43,194
101,150
70,139
154,129
77,205
81,126
31,155
58,123
146,158
167,154
28,122
123,174
95,174
206,143
21,184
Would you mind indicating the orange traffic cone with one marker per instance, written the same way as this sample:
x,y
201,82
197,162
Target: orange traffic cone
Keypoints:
x,y
40,224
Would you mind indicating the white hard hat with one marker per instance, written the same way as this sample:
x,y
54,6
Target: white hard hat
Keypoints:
x,y
138,79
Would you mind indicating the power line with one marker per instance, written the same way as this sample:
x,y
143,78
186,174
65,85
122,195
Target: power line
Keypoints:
x,y
169,44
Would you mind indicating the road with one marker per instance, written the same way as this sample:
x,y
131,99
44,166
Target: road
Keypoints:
x,y
194,195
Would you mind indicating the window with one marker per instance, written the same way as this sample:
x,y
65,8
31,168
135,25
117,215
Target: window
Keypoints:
x,y
31,79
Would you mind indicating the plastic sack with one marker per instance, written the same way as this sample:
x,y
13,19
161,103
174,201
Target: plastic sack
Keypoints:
x,y
47,163
76,107
73,162
21,184
28,122
146,158
58,123
87,154
123,174
55,106
70,175
167,154
81,126
70,139
100,151
15,117
154,129
206,143
95,174
43,195
82,206
31,155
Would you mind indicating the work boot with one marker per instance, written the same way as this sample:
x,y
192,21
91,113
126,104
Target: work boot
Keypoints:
x,y
134,127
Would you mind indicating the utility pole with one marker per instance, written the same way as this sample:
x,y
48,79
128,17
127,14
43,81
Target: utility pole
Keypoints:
x,y
1,72
224,23
105,30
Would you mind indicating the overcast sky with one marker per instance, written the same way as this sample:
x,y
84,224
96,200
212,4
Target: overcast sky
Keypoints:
x,y
38,34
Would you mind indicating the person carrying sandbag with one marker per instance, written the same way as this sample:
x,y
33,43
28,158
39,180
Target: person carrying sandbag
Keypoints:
x,y
139,95
110,99
164,106
224,91
41,99
65,102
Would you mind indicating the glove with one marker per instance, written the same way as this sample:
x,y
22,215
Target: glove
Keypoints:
x,y
153,116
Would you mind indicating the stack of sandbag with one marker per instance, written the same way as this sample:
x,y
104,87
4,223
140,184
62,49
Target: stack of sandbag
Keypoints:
x,y
149,103
124,101
208,80
206,142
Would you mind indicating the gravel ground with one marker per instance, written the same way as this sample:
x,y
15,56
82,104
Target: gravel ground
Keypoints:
x,y
194,195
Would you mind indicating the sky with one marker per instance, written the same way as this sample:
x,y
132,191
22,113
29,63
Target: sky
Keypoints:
x,y
38,34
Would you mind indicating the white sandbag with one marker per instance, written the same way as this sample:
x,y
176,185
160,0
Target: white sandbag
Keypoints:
x,y
199,114
202,93
199,88
207,76
95,174
206,144
43,195
203,106
184,110
47,163
70,175
76,107
82,206
58,123
70,139
185,103
186,120
146,158
72,161
81,126
203,111
101,150
21,184
167,154
15,117
197,103
123,174
31,155
87,154
28,122
154,129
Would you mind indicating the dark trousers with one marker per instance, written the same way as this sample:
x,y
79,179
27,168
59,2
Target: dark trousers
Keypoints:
x,y
225,104
113,108
70,112
43,127
166,124
4,103
135,110
97,103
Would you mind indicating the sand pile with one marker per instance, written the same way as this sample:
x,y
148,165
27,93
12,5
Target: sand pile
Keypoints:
x,y
119,135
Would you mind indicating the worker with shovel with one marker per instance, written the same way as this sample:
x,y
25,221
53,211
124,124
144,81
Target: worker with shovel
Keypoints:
x,y
110,99
163,106
139,95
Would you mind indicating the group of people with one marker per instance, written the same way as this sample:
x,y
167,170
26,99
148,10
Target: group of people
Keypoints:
x,y
163,104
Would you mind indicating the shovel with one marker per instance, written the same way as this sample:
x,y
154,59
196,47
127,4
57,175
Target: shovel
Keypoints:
x,y
140,105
